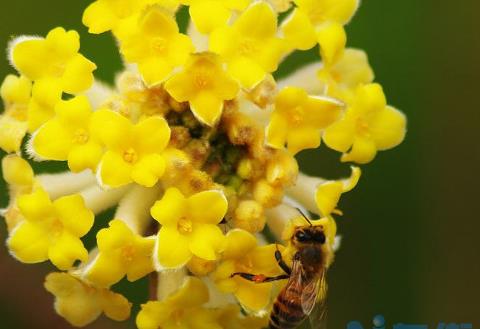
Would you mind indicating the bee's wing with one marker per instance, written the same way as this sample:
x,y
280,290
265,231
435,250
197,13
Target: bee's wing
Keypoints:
x,y
318,313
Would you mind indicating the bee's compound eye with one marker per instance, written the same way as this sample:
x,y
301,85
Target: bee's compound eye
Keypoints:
x,y
301,236
320,237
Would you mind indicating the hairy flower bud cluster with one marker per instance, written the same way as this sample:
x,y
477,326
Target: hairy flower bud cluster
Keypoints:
x,y
195,145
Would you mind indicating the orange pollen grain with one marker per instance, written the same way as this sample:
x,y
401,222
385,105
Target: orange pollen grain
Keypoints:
x,y
128,253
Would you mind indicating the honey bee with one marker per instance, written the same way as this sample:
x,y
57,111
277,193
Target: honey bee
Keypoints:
x,y
306,288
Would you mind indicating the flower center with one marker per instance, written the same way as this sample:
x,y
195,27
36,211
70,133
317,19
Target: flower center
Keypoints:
x,y
158,45
18,111
296,115
247,47
362,126
57,228
130,155
202,80
184,226
80,136
128,253
58,69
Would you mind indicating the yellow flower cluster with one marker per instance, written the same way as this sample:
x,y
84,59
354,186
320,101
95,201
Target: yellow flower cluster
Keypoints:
x,y
196,146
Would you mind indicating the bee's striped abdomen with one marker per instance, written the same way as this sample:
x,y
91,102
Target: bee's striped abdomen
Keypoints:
x,y
286,314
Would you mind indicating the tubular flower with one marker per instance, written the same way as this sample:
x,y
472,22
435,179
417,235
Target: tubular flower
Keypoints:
x,y
187,229
155,44
250,45
105,15
80,303
328,193
205,85
182,309
70,129
298,119
54,62
207,15
194,146
350,71
242,254
321,22
15,92
134,151
51,230
367,126
120,252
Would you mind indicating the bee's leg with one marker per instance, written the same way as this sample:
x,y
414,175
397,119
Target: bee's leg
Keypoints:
x,y
260,278
281,262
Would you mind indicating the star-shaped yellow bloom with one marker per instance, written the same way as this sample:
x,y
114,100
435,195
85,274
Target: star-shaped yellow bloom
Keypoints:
x,y
299,118
350,71
51,230
189,226
80,303
205,85
54,61
328,193
68,137
207,15
250,46
155,44
183,309
368,125
242,254
320,21
134,151
15,92
121,252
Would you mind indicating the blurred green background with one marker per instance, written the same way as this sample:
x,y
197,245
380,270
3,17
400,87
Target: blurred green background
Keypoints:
x,y
411,228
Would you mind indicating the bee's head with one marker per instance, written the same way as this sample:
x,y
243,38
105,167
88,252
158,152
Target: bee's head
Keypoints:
x,y
309,235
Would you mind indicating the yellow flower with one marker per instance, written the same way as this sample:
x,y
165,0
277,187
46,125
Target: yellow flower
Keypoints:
x,y
205,85
67,136
189,226
51,230
15,92
121,252
328,193
80,304
207,15
54,61
182,309
105,15
231,317
351,70
250,46
319,21
367,126
299,118
155,44
242,254
134,151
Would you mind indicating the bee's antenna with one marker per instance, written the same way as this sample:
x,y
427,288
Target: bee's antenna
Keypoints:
x,y
304,216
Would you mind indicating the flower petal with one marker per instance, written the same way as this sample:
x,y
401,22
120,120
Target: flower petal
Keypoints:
x,y
207,107
363,151
114,171
388,128
170,208
66,250
74,214
172,248
206,241
106,270
151,135
238,243
209,15
29,243
217,207
148,170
